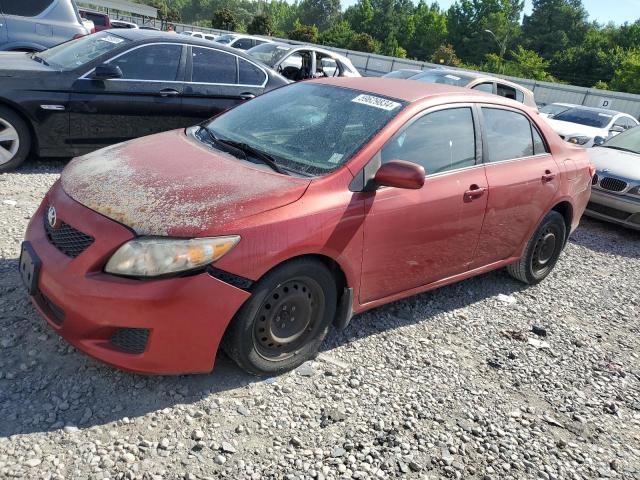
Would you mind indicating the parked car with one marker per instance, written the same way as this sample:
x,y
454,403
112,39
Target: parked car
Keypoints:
x,y
123,24
207,36
89,25
267,225
101,20
301,62
403,73
116,85
550,110
241,42
478,81
616,185
149,27
587,126
32,26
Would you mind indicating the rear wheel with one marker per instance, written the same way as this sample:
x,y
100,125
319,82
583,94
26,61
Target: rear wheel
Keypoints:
x,y
15,140
542,251
286,319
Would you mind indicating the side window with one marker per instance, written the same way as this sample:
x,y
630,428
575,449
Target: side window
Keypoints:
x,y
508,134
213,66
628,123
293,60
250,74
153,62
506,91
98,20
439,141
243,44
539,147
519,95
327,67
23,8
484,87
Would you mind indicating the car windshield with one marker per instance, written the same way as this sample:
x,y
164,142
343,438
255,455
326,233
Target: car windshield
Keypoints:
x,y
448,78
307,129
74,54
628,141
226,39
269,53
581,116
554,109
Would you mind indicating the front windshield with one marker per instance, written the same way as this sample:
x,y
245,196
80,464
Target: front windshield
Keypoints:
x,y
589,118
269,53
455,79
225,39
308,129
554,109
74,54
628,141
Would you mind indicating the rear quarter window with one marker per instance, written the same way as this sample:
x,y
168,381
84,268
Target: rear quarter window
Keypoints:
x,y
250,74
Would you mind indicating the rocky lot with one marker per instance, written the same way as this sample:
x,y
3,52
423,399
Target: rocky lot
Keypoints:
x,y
483,379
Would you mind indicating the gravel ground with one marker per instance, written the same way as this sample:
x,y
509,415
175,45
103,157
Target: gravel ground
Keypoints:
x,y
483,379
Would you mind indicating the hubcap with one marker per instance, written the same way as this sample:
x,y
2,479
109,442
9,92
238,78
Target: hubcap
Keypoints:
x,y
287,318
9,141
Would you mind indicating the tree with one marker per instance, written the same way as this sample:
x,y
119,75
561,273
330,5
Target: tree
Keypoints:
x,y
321,13
225,19
304,33
522,63
338,35
262,24
554,25
627,75
446,55
363,42
360,16
430,30
283,14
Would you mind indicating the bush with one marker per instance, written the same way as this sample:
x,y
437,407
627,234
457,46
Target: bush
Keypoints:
x,y
262,24
304,33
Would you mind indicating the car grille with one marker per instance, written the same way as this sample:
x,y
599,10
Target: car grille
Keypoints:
x,y
613,184
131,340
594,180
68,240
608,211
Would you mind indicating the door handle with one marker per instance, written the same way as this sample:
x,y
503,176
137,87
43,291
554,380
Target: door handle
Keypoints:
x,y
548,176
247,96
169,92
474,192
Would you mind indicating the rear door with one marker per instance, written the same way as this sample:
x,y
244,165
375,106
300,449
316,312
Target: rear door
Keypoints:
x,y
218,80
523,178
146,100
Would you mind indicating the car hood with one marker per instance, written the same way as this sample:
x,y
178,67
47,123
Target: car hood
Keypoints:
x,y
616,162
18,63
169,184
567,128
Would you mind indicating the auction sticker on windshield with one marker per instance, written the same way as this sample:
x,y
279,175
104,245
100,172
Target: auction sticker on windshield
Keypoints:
x,y
112,39
377,102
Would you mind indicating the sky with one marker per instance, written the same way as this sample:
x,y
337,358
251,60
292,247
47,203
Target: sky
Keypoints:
x,y
604,11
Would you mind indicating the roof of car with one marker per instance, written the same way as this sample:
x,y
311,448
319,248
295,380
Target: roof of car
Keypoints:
x,y
402,89
139,34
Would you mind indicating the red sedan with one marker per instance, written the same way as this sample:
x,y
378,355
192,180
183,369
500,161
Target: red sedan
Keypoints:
x,y
261,229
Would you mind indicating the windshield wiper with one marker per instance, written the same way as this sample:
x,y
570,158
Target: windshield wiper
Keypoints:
x,y
620,148
246,149
39,59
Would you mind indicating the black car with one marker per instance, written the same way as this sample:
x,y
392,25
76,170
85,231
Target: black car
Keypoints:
x,y
117,85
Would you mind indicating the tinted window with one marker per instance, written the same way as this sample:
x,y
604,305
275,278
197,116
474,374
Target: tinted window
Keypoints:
x,y
582,116
153,62
484,87
439,141
98,20
505,91
508,134
539,146
213,66
250,74
438,76
25,8
243,44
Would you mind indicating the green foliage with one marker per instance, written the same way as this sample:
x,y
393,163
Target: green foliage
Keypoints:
x,y
321,13
304,33
262,24
627,75
601,85
284,14
521,63
363,42
225,19
430,30
446,55
338,35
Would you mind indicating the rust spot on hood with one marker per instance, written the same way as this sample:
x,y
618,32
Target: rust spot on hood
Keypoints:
x,y
167,184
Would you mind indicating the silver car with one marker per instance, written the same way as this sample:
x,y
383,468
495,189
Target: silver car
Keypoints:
x,y
36,25
615,195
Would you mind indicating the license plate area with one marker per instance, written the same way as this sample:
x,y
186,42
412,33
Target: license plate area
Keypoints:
x,y
29,268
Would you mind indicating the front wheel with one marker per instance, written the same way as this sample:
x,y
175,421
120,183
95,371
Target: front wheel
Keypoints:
x,y
542,251
286,319
15,140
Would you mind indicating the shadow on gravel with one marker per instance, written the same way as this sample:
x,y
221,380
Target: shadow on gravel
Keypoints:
x,y
41,165
608,238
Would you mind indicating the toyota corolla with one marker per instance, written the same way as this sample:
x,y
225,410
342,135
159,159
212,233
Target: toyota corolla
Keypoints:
x,y
263,228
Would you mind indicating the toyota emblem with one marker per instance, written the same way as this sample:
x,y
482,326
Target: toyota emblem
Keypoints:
x,y
52,218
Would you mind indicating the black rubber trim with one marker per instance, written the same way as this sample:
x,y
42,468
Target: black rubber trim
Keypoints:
x,y
344,312
230,278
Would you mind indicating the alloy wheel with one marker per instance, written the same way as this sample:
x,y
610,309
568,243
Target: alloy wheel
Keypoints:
x,y
9,141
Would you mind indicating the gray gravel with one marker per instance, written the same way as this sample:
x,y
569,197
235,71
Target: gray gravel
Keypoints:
x,y
483,379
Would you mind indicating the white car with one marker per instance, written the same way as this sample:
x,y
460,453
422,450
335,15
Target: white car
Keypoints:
x,y
241,42
206,36
123,24
552,109
589,126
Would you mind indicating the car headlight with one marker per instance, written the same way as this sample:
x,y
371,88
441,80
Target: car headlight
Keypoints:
x,y
578,139
155,256
635,191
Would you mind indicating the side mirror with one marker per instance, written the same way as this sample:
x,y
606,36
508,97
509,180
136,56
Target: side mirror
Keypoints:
x,y
616,129
400,174
107,71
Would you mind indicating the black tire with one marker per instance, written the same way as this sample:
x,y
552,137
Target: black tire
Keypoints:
x,y
265,337
14,150
542,251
